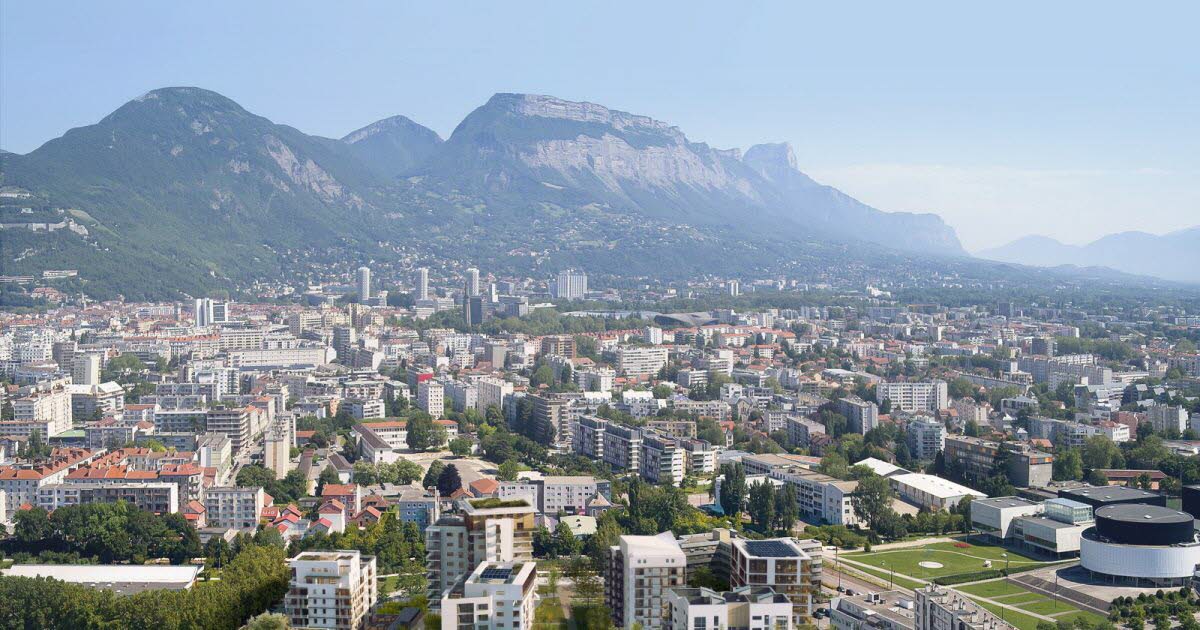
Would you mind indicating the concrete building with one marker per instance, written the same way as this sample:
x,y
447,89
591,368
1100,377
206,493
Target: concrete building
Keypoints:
x,y
995,516
431,398
782,565
215,450
552,494
422,285
495,596
639,576
861,415
623,448
912,397
278,441
889,610
940,608
588,438
50,412
85,369
1167,418
662,461
977,457
122,579
641,360
160,498
751,608
931,492
482,530
572,284
233,507
330,589
926,437
362,281
491,392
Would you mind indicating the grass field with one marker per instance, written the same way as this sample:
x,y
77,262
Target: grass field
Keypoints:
x,y
994,589
898,580
1020,620
953,558
1015,595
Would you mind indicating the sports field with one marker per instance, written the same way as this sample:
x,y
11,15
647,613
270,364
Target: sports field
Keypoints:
x,y
945,558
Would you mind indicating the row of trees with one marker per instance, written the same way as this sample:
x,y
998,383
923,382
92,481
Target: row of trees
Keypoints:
x,y
398,547
255,580
769,508
105,532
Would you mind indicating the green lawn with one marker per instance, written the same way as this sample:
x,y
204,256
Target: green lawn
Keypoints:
x,y
1020,620
1092,618
898,580
993,589
953,559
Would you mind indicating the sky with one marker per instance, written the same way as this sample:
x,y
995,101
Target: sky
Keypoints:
x,y
1068,119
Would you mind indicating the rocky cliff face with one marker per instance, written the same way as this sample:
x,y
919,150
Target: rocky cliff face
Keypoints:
x,y
569,153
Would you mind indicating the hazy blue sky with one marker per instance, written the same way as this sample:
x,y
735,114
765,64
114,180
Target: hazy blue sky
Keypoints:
x,y
1067,119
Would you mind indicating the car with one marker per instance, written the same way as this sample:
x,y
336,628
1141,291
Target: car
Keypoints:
x,y
849,593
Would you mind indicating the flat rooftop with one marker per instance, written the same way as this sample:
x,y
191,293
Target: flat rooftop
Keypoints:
x,y
1005,502
1107,493
124,579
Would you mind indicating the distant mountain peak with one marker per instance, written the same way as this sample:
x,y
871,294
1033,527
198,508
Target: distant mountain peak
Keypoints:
x,y
772,155
390,124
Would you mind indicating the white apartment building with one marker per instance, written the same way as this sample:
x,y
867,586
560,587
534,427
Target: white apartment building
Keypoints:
x,y
552,494
278,442
491,391
47,411
331,589
431,398
85,369
160,498
941,608
912,397
641,360
1164,418
572,284
496,596
639,576
233,507
242,425
215,450
749,607
20,484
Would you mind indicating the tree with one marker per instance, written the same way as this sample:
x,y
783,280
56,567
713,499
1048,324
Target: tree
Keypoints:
x,y
663,391
448,482
565,541
405,471
328,476
733,488
762,504
365,473
420,432
1101,452
787,510
1097,478
1068,465
508,470
872,499
835,423
268,621
835,465
460,446
431,475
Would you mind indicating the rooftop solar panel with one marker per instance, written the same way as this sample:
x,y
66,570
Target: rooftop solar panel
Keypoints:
x,y
494,573
770,549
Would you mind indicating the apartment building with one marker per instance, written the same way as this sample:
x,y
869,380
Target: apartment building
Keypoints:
x,y
19,484
662,461
640,573
49,412
977,457
926,437
623,448
491,392
940,608
641,360
160,498
234,507
482,530
588,437
749,607
552,494
800,429
782,565
241,424
861,415
330,589
495,596
913,397
431,398
277,444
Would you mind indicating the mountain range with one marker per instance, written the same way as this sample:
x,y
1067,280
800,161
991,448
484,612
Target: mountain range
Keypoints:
x,y
1174,256
183,190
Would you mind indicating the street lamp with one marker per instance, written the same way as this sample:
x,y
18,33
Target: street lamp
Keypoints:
x,y
1005,556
